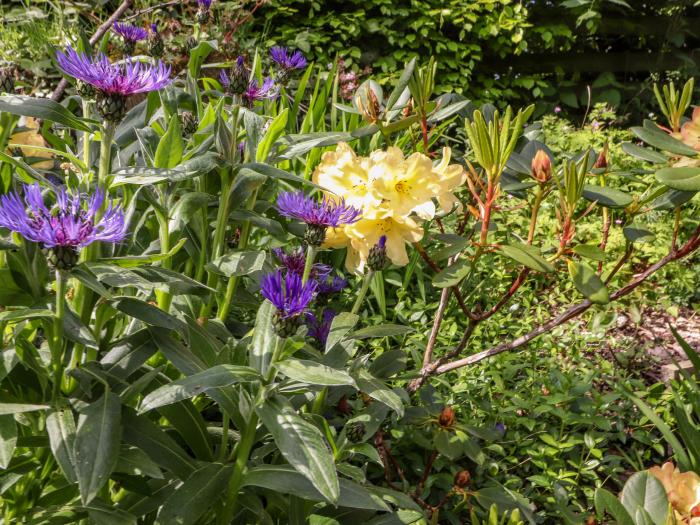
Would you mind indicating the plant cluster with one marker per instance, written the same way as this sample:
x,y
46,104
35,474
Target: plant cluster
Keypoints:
x,y
181,341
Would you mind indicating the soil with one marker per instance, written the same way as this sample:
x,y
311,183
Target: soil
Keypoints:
x,y
649,345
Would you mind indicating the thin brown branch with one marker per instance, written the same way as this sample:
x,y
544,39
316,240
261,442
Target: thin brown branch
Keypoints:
x,y
444,300
61,87
434,266
426,472
152,8
574,311
436,369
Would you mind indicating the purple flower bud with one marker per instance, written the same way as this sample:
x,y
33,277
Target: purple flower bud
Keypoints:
x,y
295,261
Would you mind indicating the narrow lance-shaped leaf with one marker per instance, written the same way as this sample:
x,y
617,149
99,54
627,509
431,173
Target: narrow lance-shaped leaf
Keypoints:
x,y
97,444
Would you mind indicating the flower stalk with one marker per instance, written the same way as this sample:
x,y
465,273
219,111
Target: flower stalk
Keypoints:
x,y
57,339
366,281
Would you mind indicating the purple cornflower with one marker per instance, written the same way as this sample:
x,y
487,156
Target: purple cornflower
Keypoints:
x,y
377,259
265,91
319,328
204,4
317,215
123,79
290,297
71,222
154,28
331,285
203,11
130,33
295,262
327,213
114,82
287,294
286,59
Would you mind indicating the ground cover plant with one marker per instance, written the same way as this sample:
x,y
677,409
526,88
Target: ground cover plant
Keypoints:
x,y
232,294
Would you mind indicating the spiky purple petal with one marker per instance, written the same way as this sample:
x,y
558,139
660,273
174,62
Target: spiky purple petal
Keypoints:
x,y
286,59
255,91
296,260
204,4
290,297
130,32
126,78
331,284
327,213
71,221
319,328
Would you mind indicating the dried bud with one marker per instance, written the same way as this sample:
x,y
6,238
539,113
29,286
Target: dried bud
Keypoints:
x,y
602,160
462,478
408,109
7,79
189,123
541,167
367,103
343,406
447,417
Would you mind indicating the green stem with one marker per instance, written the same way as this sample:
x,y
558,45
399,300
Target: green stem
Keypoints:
x,y
319,401
539,195
105,157
363,291
232,285
310,256
57,344
245,445
164,298
86,137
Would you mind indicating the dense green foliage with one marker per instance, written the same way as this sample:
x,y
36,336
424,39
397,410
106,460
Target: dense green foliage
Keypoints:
x,y
469,375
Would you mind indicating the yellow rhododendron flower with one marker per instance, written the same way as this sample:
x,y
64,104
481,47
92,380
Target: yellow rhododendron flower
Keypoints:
x,y
393,192
682,488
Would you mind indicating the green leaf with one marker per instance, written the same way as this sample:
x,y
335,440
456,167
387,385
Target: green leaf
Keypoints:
x,y
607,502
19,408
140,175
453,274
103,514
302,445
663,141
97,441
238,263
197,495
285,480
198,55
671,199
22,314
588,282
607,197
376,389
215,377
649,155
264,338
41,108
136,462
527,256
314,373
340,327
134,261
8,439
401,84
637,233
644,491
679,451
145,312
380,330
449,445
60,426
589,251
684,179
170,148
141,432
